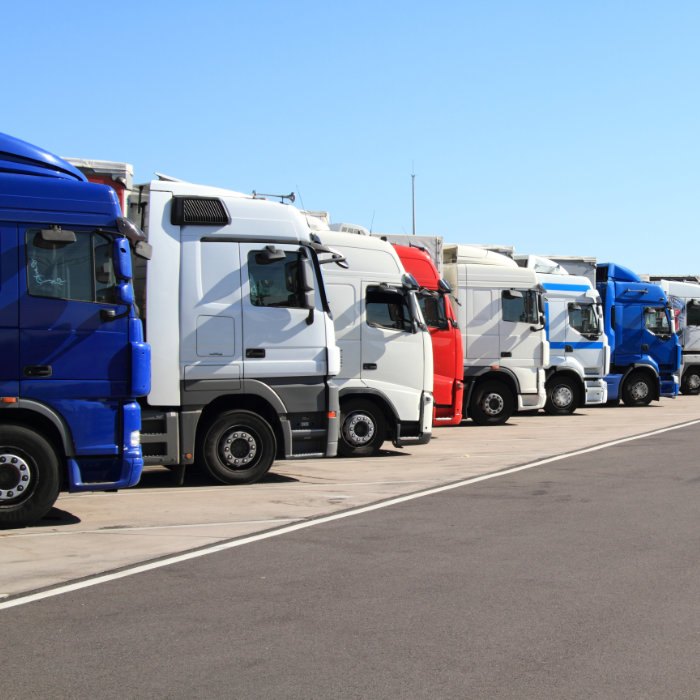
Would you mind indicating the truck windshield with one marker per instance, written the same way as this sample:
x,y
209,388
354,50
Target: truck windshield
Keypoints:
x,y
656,320
521,309
584,319
432,305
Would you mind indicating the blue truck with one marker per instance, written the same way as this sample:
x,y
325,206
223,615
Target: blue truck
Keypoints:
x,y
645,350
639,323
74,360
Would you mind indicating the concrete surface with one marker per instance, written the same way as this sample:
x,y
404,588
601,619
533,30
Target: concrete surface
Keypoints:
x,y
90,533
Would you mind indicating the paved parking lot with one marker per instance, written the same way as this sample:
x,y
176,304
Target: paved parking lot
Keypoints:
x,y
91,533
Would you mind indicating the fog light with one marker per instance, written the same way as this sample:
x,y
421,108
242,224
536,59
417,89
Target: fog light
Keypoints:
x,y
135,438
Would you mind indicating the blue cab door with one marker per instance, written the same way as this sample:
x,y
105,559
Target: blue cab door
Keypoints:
x,y
71,356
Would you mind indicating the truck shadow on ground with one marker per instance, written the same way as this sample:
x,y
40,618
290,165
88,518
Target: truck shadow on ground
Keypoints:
x,y
162,477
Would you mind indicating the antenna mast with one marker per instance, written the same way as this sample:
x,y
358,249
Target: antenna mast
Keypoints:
x,y
413,197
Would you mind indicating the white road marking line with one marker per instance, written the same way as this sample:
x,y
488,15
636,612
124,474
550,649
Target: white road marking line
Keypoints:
x,y
188,556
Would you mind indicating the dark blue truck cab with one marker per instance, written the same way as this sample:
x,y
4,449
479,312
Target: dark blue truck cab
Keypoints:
x,y
645,350
73,354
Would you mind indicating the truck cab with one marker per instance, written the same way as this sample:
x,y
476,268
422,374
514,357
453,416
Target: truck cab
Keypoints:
x,y
501,316
684,297
385,380
579,350
639,324
448,358
74,356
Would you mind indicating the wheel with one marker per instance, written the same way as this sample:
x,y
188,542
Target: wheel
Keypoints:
x,y
637,389
362,429
562,396
29,476
239,447
690,383
491,403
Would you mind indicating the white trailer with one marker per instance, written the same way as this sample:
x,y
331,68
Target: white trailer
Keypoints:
x,y
500,311
385,380
579,349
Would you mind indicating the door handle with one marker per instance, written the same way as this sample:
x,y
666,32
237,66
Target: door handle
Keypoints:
x,y
506,354
255,352
568,348
369,365
37,371
645,347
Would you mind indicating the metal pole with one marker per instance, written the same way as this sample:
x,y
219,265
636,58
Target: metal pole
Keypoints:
x,y
413,200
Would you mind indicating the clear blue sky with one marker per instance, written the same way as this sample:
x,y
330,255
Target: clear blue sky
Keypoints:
x,y
562,127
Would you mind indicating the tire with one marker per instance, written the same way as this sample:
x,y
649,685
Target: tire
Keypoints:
x,y
491,403
30,479
239,447
637,389
690,383
362,429
562,396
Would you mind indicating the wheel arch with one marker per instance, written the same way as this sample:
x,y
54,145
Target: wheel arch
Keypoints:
x,y
569,373
391,417
253,403
647,369
485,374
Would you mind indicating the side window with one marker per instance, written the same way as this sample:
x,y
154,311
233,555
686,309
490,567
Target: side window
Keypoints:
x,y
693,314
656,321
275,282
520,306
82,270
386,309
433,308
583,318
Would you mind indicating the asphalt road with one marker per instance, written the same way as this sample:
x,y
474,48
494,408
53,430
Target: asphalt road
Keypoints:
x,y
574,579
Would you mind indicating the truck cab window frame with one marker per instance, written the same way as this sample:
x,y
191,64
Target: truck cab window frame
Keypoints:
x,y
81,270
522,308
584,319
656,320
275,283
388,309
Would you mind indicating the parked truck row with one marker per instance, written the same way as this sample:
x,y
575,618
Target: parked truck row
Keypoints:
x,y
175,324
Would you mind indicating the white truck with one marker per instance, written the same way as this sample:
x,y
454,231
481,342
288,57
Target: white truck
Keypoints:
x,y
684,296
242,341
579,349
500,311
385,380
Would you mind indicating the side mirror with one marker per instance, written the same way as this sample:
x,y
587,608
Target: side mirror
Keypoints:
x,y
306,272
122,259
409,281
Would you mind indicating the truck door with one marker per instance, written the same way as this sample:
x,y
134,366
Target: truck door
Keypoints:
x,y
73,356
657,338
284,334
583,333
519,343
392,351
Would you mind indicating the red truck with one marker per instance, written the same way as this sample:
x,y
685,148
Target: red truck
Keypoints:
x,y
448,357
